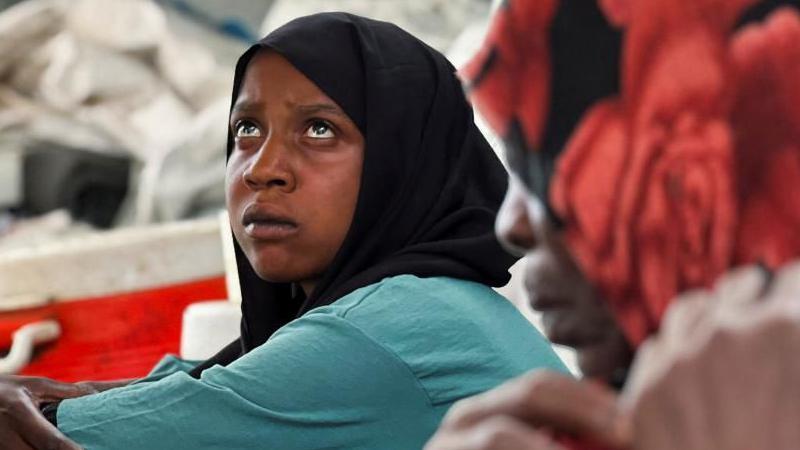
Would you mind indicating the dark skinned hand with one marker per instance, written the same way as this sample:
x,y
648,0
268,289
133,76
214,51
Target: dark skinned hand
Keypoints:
x,y
22,426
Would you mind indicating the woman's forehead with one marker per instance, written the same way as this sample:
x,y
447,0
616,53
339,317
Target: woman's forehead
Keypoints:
x,y
268,70
270,80
269,76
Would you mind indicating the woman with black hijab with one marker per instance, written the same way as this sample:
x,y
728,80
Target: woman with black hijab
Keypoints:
x,y
362,198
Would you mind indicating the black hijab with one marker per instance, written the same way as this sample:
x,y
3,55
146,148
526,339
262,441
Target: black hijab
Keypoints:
x,y
430,187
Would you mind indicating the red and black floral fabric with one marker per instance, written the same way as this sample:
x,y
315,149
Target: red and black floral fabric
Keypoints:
x,y
664,135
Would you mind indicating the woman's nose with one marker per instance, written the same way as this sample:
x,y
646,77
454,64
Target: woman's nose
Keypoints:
x,y
270,168
514,227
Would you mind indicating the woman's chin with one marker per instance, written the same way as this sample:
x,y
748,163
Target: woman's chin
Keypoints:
x,y
274,265
277,275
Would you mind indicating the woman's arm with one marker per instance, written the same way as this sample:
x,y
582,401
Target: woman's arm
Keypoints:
x,y
320,382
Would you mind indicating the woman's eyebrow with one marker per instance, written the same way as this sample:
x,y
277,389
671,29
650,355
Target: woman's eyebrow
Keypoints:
x,y
246,106
321,107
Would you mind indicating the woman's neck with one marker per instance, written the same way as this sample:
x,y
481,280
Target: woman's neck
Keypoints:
x,y
308,286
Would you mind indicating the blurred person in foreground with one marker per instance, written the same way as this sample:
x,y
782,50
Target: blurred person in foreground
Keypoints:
x,y
655,152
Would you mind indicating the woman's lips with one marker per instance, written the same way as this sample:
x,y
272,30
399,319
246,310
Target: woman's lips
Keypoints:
x,y
269,231
263,225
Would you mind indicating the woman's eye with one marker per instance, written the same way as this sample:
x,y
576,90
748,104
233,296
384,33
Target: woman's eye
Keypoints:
x,y
319,130
246,129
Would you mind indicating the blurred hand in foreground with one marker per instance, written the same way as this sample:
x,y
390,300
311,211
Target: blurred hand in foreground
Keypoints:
x,y
524,413
722,372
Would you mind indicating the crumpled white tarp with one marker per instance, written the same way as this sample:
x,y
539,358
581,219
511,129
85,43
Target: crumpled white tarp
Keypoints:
x,y
437,22
114,76
111,76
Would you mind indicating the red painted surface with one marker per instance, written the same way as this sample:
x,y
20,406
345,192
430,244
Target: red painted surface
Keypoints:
x,y
118,336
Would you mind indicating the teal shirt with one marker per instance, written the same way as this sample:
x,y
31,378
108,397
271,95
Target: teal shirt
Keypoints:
x,y
377,369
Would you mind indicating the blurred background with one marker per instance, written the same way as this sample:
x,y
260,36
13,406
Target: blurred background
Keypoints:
x,y
113,119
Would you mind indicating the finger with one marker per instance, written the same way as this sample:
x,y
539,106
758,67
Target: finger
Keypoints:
x,y
10,440
507,433
741,286
785,285
553,400
579,408
648,365
102,386
36,430
685,318
495,433
46,390
507,400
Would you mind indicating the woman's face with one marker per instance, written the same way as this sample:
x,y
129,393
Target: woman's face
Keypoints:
x,y
572,313
293,176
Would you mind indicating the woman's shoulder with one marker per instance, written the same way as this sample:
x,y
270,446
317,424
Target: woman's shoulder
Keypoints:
x,y
432,303
410,291
449,307
440,326
411,288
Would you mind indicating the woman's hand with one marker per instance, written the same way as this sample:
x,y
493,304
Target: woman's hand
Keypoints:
x,y
522,414
723,372
22,426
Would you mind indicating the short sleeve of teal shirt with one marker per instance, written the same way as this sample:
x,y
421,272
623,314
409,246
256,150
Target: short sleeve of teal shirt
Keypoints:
x,y
375,370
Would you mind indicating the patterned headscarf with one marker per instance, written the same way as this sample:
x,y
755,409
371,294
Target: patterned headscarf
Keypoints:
x,y
663,136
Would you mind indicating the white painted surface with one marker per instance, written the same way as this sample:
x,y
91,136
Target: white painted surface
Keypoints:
x,y
208,327
229,258
121,260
